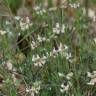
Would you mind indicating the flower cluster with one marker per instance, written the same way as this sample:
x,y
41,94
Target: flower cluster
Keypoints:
x,y
59,29
41,39
65,87
92,76
91,14
39,10
34,89
38,61
62,49
74,5
94,40
10,68
25,24
66,84
33,45
2,32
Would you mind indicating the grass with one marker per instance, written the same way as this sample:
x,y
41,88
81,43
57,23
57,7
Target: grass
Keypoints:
x,y
59,74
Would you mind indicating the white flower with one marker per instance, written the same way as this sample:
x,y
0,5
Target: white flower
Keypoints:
x,y
53,53
35,58
53,9
38,61
65,47
27,20
14,79
61,47
8,23
33,45
9,65
68,56
94,72
90,83
59,29
60,74
56,31
39,10
17,17
64,88
57,25
2,32
92,77
27,90
34,89
63,28
89,74
69,75
63,50
24,25
75,5
43,10
91,13
95,40
41,39
84,11
44,57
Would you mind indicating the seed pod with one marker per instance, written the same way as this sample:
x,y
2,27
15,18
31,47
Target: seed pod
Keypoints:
x,y
20,57
23,12
30,2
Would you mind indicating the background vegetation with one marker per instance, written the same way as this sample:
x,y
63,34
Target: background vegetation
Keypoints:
x,y
48,50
